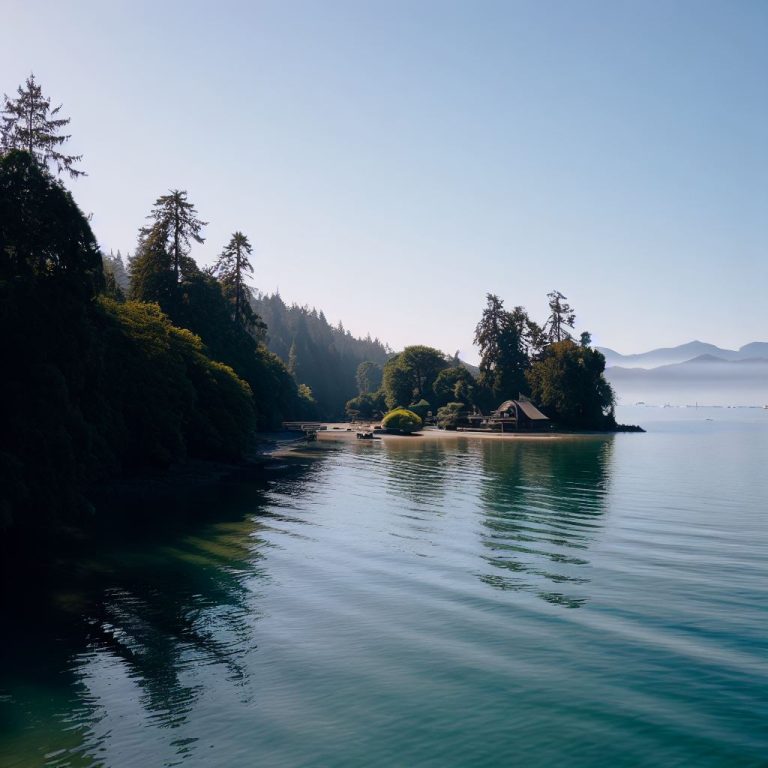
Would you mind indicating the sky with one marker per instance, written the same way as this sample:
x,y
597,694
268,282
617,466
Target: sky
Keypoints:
x,y
393,162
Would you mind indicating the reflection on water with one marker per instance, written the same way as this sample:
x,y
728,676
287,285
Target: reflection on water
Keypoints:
x,y
183,605
418,477
543,504
143,615
410,603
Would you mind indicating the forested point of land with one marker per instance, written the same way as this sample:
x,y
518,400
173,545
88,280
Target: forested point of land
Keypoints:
x,y
117,365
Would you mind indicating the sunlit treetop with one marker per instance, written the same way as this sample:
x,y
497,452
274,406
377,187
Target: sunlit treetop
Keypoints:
x,y
29,123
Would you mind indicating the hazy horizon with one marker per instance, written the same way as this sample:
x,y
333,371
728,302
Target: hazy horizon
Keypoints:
x,y
392,164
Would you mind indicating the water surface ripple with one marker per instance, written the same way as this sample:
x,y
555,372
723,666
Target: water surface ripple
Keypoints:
x,y
585,602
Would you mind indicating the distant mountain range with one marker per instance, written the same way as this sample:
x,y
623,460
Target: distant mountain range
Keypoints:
x,y
684,353
710,379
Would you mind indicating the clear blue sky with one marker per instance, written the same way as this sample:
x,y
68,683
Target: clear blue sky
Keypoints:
x,y
392,162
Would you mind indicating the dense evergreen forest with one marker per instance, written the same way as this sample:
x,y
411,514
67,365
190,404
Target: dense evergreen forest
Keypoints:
x,y
107,372
322,358
319,355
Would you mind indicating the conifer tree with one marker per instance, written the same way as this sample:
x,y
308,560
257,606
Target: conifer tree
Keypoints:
x,y
175,219
368,377
115,265
29,123
502,337
292,359
231,269
561,317
151,270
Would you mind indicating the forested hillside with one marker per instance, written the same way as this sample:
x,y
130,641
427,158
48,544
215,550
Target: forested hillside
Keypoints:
x,y
319,355
106,369
97,383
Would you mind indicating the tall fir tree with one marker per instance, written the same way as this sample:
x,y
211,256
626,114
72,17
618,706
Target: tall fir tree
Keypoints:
x,y
151,270
561,317
29,123
502,338
175,219
231,270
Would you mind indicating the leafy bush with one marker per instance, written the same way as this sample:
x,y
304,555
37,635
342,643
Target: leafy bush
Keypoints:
x,y
421,409
366,406
402,420
453,385
409,375
567,382
451,415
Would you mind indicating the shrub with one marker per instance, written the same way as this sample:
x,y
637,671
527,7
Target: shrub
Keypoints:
x,y
451,415
421,409
402,420
367,406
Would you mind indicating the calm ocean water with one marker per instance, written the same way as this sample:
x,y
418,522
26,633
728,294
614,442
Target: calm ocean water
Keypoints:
x,y
595,601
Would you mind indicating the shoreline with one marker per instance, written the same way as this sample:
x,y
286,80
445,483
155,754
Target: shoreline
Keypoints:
x,y
343,432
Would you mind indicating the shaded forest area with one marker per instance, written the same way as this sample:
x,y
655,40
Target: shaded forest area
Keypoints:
x,y
97,383
323,359
322,356
107,372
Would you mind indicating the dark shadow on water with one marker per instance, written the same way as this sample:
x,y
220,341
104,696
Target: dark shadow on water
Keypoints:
x,y
543,503
153,600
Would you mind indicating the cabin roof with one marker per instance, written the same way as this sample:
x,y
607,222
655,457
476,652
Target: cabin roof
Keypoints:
x,y
529,409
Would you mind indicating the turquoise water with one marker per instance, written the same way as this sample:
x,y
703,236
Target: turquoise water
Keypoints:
x,y
595,601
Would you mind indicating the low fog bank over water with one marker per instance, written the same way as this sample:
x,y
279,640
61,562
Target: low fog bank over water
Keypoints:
x,y
703,380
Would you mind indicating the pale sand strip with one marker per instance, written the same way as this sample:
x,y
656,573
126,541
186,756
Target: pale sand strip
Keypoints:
x,y
338,432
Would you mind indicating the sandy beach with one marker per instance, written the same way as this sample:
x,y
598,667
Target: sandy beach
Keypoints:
x,y
345,431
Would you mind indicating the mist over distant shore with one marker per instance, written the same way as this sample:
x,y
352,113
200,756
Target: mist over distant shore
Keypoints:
x,y
691,373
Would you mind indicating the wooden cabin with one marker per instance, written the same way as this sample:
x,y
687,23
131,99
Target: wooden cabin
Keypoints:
x,y
518,416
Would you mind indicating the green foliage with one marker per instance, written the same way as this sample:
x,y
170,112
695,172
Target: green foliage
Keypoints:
x,y
231,270
29,124
368,377
561,317
402,420
43,234
167,397
366,406
94,387
151,272
174,225
454,384
197,301
111,288
307,404
323,356
451,416
411,374
421,409
505,340
519,356
567,383
274,389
